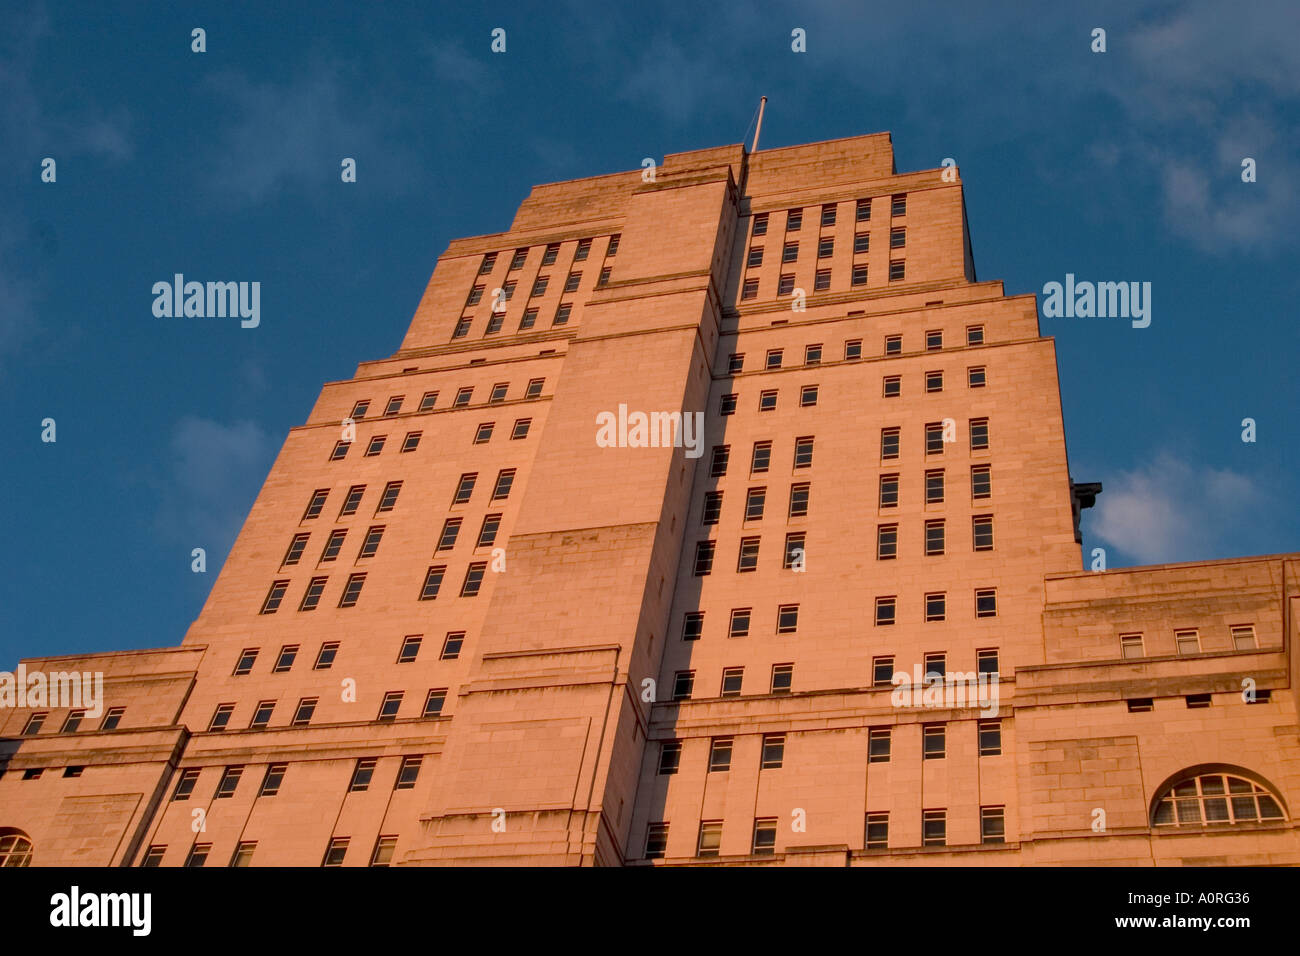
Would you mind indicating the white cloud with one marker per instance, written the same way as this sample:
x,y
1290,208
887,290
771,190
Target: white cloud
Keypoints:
x,y
1169,510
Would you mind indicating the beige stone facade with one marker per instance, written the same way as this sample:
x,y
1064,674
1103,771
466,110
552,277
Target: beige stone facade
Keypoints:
x,y
668,654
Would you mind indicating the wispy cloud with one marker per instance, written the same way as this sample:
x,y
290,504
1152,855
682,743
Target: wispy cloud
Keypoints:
x,y
210,483
294,135
1170,510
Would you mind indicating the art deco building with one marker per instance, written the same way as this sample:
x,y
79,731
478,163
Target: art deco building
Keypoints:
x,y
465,631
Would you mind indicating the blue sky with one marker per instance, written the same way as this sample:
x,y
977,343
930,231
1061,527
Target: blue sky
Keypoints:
x,y
225,165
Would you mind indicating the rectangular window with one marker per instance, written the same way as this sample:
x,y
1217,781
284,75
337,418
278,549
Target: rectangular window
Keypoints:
x,y
794,550
520,429
670,757
1243,637
785,285
718,463
376,445
732,678
934,828
990,734
583,250
229,782
409,772
112,718
812,354
656,841
764,837
246,659
352,590
852,349
340,450
774,358
882,671
603,278
934,438
720,755
325,656
934,381
385,847
761,459
451,645
534,388
739,622
450,531
886,541
982,532
475,295
612,249
464,488
390,705
354,496
549,256
1130,645
370,546
712,511
693,626
825,247
897,270
683,685
571,283
484,433
747,559
198,854
727,404
861,243
529,320
262,715
893,386
981,482
273,779
992,825
807,396
787,619
487,534
489,261
749,290
410,649
936,606
934,486
1187,642
710,838
760,224
828,214
935,740
879,743
898,237
986,602
799,495
986,660
462,328
562,314
864,210
473,579
886,611
704,551
540,284
782,678
463,397
877,831
979,434
898,205
893,345
934,340
306,708
359,410
335,852
333,545
505,480
434,702
754,501
793,220
362,773
432,582
185,784
767,400
975,377
316,503
859,275
773,752
889,491
517,261
755,257
974,335
288,654
889,440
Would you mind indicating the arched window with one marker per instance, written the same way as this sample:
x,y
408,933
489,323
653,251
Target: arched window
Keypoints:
x,y
15,847
1206,796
